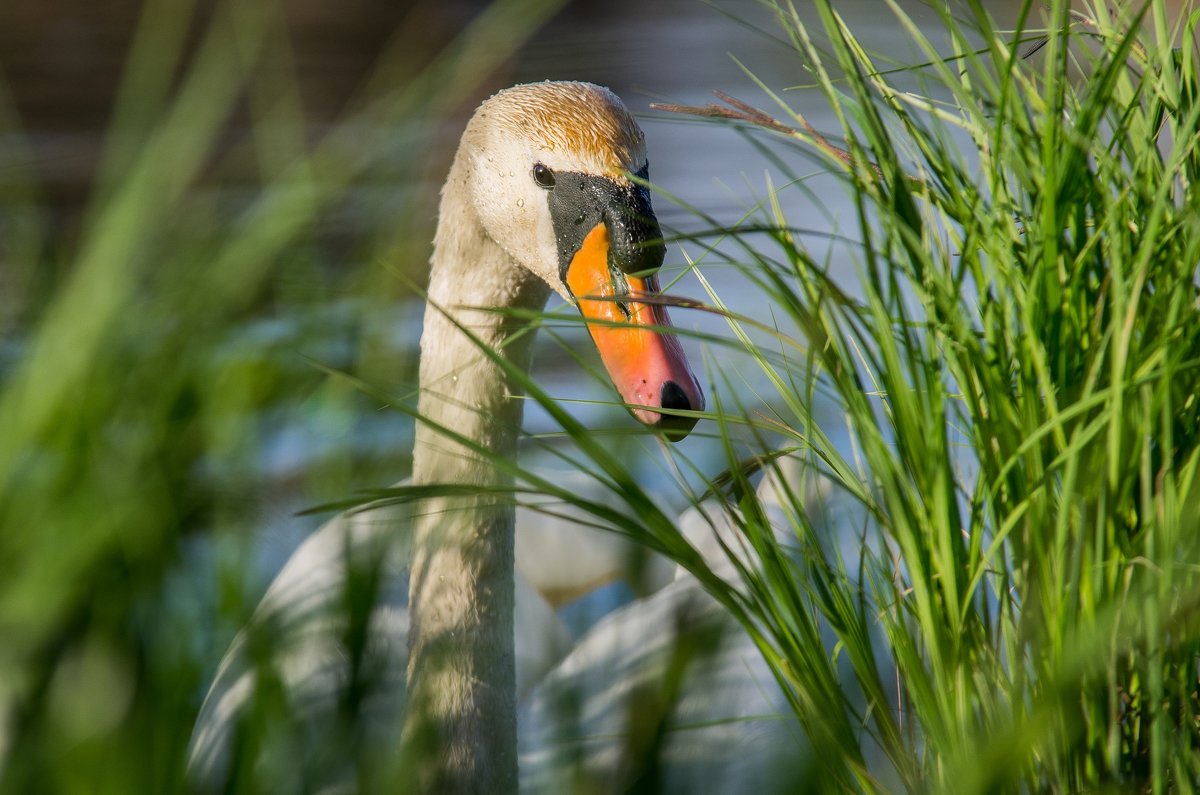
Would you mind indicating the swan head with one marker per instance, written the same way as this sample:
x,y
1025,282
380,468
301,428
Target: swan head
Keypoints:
x,y
556,173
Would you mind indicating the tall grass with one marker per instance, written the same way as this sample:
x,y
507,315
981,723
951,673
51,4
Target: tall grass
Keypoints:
x,y
1014,364
1018,375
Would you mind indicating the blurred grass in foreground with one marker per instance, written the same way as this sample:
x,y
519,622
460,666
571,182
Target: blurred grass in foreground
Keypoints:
x,y
142,392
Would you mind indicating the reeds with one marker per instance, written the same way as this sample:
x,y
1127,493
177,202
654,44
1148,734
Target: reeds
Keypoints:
x,y
1018,376
1004,598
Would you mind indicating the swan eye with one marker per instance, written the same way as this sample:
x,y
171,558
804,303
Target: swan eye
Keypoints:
x,y
543,176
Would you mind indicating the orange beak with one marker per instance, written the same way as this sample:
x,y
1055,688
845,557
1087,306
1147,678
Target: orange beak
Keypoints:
x,y
646,365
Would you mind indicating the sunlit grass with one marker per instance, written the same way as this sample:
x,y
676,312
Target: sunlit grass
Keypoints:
x,y
1015,361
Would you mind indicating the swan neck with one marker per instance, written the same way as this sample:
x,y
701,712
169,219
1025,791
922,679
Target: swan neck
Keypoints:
x,y
461,719
472,280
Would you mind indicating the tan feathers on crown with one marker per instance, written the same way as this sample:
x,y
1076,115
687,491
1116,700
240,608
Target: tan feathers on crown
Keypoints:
x,y
582,118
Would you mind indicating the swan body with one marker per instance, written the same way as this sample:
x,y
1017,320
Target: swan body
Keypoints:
x,y
303,618
669,694
673,662
727,725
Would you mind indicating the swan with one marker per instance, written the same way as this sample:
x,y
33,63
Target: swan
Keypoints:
x,y
538,199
